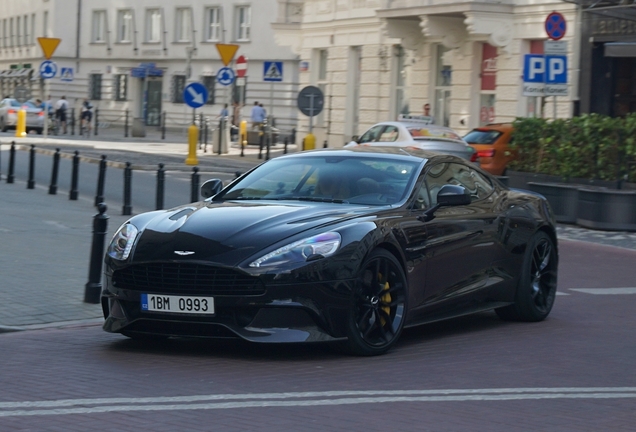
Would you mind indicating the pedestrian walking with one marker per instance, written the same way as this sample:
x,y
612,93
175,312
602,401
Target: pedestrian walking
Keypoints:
x,y
60,112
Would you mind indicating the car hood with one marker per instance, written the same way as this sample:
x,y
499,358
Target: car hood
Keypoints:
x,y
231,232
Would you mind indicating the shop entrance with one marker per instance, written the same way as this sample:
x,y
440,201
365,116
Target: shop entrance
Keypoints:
x,y
624,86
153,113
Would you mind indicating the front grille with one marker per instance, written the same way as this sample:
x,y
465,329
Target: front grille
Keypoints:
x,y
186,278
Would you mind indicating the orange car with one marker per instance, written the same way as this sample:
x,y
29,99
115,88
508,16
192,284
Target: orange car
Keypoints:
x,y
491,143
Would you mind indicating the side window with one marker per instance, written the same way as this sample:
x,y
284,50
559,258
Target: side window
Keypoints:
x,y
372,135
389,134
441,174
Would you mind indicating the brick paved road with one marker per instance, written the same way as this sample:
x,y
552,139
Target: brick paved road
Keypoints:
x,y
573,372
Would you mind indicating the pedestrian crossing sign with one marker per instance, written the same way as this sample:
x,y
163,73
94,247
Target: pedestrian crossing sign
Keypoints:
x,y
66,74
273,71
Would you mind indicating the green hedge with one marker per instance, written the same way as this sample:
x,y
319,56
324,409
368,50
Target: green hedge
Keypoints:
x,y
590,146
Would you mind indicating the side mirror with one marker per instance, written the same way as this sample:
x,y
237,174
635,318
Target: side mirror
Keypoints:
x,y
355,138
211,188
453,195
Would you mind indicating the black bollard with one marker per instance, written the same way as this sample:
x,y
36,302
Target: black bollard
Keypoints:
x,y
324,145
293,136
81,126
127,209
161,179
268,146
194,189
285,148
54,171
10,175
72,121
96,128
93,288
220,136
126,125
200,130
99,196
261,137
31,181
205,137
163,125
74,176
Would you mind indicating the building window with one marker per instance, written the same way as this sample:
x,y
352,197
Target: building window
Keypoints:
x,y
95,87
184,25
4,33
11,36
121,87
213,24
32,29
209,83
45,24
239,91
243,23
443,82
26,30
401,96
18,34
99,26
124,25
153,25
178,85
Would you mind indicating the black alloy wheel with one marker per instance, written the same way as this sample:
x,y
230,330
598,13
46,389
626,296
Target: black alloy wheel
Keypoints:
x,y
536,291
378,308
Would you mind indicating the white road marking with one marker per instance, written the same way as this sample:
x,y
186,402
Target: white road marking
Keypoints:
x,y
259,400
606,291
561,293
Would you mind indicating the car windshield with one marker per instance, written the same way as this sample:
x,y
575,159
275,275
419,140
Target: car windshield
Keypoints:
x,y
481,136
28,104
336,179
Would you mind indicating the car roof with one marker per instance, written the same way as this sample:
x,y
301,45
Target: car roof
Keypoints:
x,y
500,127
426,131
392,152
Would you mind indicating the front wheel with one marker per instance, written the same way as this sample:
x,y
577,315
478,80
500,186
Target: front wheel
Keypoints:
x,y
536,291
378,305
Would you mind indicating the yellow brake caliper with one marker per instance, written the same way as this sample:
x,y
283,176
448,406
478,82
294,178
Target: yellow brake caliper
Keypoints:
x,y
386,298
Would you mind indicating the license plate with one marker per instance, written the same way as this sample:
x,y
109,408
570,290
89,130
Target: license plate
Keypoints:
x,y
177,304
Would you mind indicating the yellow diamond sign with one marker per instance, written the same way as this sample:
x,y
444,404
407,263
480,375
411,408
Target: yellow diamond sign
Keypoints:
x,y
227,52
49,45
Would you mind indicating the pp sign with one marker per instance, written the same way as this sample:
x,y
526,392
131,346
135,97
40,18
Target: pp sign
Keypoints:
x,y
545,75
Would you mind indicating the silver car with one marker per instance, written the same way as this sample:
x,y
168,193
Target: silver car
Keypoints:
x,y
410,131
9,115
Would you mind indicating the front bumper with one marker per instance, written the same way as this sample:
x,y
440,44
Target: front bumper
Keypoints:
x,y
298,312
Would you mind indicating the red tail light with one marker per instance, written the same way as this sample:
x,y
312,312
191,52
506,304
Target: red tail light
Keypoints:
x,y
474,157
486,153
11,111
41,114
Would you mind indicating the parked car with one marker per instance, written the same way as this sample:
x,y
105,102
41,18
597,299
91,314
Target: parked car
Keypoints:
x,y
349,245
413,131
492,145
9,115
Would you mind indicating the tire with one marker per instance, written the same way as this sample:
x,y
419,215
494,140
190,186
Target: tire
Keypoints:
x,y
536,290
378,305
3,127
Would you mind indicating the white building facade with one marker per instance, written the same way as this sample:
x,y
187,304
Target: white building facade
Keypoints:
x,y
376,59
138,55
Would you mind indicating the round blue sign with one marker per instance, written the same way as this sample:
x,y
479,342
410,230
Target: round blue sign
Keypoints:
x,y
48,69
555,26
195,95
225,76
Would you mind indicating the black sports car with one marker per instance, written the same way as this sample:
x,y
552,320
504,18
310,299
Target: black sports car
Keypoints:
x,y
352,245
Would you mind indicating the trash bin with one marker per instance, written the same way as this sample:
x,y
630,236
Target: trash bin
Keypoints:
x,y
138,128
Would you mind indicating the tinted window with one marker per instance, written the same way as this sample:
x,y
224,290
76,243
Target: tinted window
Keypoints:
x,y
441,174
368,181
478,136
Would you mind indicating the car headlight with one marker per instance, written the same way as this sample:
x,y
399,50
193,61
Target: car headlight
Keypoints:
x,y
322,244
122,242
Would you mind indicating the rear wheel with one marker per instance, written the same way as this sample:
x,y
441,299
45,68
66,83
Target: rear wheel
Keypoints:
x,y
3,126
536,291
378,305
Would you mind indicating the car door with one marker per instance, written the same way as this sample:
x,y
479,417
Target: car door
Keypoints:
x,y
461,240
